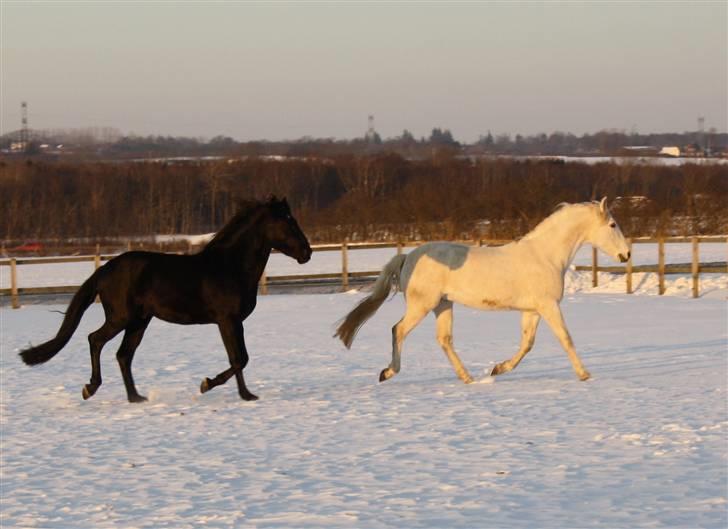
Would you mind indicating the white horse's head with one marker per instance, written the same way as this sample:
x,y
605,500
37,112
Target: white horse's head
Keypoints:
x,y
606,235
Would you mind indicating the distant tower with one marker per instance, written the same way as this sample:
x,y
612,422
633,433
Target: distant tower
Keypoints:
x,y
24,133
701,132
371,133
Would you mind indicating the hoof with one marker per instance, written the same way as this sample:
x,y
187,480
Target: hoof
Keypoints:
x,y
585,376
386,374
205,386
88,391
498,370
249,397
137,398
468,379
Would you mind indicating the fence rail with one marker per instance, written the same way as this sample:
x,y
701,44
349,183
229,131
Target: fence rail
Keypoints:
x,y
345,277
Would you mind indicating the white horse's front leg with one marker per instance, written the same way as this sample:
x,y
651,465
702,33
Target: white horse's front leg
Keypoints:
x,y
555,319
529,324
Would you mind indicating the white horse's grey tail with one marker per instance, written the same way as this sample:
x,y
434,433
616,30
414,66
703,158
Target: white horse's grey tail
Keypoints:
x,y
366,308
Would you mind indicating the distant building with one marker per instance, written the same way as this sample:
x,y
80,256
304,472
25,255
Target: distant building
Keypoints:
x,y
670,151
642,150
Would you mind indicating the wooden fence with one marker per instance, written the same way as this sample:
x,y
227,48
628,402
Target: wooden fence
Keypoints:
x,y
345,277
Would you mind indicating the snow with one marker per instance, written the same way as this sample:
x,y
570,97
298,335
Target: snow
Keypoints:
x,y
642,444
633,160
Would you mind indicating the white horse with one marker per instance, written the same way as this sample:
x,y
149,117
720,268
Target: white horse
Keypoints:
x,y
526,275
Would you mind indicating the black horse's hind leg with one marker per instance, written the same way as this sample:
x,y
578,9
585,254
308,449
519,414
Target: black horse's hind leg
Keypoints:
x,y
97,340
232,336
132,337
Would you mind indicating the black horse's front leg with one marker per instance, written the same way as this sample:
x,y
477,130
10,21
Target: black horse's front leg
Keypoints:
x,y
231,331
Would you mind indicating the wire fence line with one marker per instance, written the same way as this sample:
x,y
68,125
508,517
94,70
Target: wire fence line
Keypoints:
x,y
345,278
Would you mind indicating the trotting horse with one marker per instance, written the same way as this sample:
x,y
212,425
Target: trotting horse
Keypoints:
x,y
217,285
526,275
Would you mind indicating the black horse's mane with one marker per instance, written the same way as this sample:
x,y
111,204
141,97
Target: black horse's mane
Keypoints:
x,y
248,212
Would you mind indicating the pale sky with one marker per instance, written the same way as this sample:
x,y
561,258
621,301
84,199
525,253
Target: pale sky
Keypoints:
x,y
281,70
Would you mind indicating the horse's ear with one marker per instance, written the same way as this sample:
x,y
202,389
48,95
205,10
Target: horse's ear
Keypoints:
x,y
603,207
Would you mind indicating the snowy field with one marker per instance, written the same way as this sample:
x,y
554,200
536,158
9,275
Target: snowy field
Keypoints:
x,y
641,445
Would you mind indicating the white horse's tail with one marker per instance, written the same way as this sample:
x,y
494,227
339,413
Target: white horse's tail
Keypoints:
x,y
366,308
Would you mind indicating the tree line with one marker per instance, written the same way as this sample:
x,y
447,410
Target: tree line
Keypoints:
x,y
107,143
375,197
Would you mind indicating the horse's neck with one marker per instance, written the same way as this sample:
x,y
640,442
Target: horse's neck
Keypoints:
x,y
246,251
252,251
560,242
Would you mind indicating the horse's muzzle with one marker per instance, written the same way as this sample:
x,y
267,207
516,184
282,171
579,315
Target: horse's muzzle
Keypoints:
x,y
306,257
623,258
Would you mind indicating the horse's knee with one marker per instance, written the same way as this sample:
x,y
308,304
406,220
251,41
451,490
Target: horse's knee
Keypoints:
x,y
94,341
445,340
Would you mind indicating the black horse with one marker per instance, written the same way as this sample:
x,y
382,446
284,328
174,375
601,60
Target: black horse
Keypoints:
x,y
217,285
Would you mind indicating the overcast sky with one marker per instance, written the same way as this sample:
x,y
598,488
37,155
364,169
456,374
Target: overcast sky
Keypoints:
x,y
284,70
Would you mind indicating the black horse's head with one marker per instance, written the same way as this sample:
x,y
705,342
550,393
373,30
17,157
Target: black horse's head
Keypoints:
x,y
283,232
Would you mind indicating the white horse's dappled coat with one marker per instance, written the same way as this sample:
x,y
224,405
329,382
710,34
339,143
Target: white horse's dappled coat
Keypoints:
x,y
526,275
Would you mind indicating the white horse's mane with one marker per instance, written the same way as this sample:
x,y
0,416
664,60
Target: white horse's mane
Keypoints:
x,y
560,211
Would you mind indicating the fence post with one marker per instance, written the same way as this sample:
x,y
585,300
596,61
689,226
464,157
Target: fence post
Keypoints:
x,y
399,247
695,269
629,267
264,283
661,265
97,264
14,284
344,265
595,276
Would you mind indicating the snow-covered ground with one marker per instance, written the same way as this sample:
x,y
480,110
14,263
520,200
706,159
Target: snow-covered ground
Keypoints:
x,y
643,444
374,259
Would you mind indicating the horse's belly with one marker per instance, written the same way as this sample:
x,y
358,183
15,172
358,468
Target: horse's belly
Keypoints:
x,y
483,301
483,293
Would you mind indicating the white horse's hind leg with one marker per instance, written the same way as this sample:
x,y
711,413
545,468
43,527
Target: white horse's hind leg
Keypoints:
x,y
529,324
443,313
413,316
552,315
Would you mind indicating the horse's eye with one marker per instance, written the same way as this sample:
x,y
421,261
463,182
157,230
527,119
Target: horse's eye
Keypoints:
x,y
612,224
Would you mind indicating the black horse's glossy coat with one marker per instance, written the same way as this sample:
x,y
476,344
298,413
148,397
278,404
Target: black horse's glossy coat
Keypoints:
x,y
218,285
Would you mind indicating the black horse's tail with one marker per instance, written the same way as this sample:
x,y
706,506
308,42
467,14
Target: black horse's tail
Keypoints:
x,y
80,302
